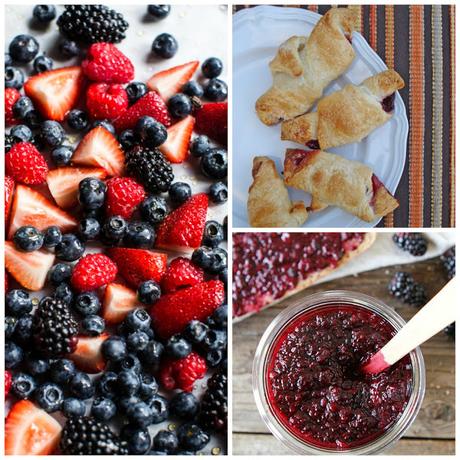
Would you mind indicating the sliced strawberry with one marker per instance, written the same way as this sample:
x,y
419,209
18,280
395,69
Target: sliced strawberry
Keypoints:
x,y
212,120
63,183
101,149
118,301
169,82
181,273
55,92
87,356
175,149
183,228
9,191
32,208
137,265
29,269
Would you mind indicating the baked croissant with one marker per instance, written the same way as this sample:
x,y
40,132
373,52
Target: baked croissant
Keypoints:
x,y
347,115
336,181
303,67
269,204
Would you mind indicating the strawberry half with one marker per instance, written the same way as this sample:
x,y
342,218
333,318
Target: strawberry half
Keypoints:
x,y
183,228
32,208
174,311
87,356
55,92
138,265
9,191
29,430
118,301
212,120
11,96
29,269
181,273
170,81
175,149
92,272
123,196
24,163
101,149
63,183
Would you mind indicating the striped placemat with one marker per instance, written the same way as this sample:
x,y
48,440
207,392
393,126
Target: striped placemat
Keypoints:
x,y
419,42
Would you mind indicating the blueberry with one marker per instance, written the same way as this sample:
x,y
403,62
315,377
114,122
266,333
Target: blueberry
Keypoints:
x,y
62,370
44,13
180,192
193,89
114,230
212,67
137,439
64,292
81,386
59,273
23,385
33,120
73,407
70,248
103,409
104,124
87,303
196,331
22,107
166,441
180,106
52,132
62,155
10,326
219,317
203,257
42,64
89,229
129,363
148,387
148,292
184,405
138,319
164,46
159,406
77,120
91,193
150,131
52,237
127,139
178,347
137,341
114,348
153,209
23,330
8,60
37,365
219,261
13,355
68,48
135,90
215,340
21,133
213,234
23,48
139,235
18,302
223,276
214,357
192,437
107,384
218,193
49,397
214,163
14,77
216,90
152,354
200,145
159,11
93,325
125,402
97,214
128,382
28,239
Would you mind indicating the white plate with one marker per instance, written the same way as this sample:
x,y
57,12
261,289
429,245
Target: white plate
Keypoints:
x,y
257,34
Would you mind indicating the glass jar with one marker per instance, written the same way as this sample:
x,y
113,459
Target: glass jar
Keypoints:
x,y
264,353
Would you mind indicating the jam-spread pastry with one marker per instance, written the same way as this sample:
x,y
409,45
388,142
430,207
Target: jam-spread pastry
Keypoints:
x,y
347,115
304,66
269,204
335,181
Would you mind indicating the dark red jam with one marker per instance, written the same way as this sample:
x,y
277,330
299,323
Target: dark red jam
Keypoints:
x,y
313,144
315,385
388,104
267,265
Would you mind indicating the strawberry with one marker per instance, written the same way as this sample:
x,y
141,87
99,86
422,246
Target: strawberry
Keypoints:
x,y
63,183
174,311
212,120
92,272
87,356
32,208
138,265
8,380
123,196
105,62
183,228
118,301
55,92
101,149
181,273
106,101
151,104
175,149
11,96
29,269
29,430
183,373
170,81
26,164
9,190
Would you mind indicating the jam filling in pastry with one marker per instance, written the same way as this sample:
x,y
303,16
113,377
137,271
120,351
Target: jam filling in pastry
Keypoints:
x,y
303,67
347,115
269,204
335,181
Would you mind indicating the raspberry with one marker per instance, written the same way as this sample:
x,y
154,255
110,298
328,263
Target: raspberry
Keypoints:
x,y
403,287
92,272
181,273
8,378
123,196
182,373
26,164
106,101
414,243
11,96
106,63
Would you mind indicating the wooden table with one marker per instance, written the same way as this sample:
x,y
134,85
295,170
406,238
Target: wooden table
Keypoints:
x,y
432,433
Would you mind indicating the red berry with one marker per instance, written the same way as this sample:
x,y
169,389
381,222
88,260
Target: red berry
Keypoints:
x,y
183,373
9,190
106,101
11,96
26,164
123,196
212,121
181,273
8,379
92,272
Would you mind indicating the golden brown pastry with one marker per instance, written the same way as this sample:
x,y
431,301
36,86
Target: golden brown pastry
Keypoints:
x,y
303,67
347,115
335,181
269,204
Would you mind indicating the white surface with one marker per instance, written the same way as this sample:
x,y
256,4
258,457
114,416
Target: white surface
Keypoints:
x,y
257,34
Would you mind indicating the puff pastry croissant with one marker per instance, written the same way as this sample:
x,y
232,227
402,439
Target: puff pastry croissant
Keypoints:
x,y
334,180
269,204
303,67
347,115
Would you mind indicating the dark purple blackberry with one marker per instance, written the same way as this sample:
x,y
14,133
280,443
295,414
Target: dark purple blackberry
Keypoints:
x,y
448,262
413,243
403,287
213,413
450,330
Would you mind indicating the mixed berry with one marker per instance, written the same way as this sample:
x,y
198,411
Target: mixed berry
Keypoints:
x,y
108,331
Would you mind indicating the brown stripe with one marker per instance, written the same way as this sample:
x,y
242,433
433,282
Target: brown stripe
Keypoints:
x,y
373,26
452,115
313,8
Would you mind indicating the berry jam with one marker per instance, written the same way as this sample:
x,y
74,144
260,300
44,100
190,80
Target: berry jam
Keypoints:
x,y
388,104
315,385
268,265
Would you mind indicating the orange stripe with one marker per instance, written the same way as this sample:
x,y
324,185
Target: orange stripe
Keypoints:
x,y
373,26
417,114
452,115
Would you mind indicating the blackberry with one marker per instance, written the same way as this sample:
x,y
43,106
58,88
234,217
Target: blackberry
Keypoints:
x,y
413,243
150,168
92,24
54,328
213,414
403,287
448,262
87,436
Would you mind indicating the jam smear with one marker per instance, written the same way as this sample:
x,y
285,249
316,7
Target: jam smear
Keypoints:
x,y
313,144
388,104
